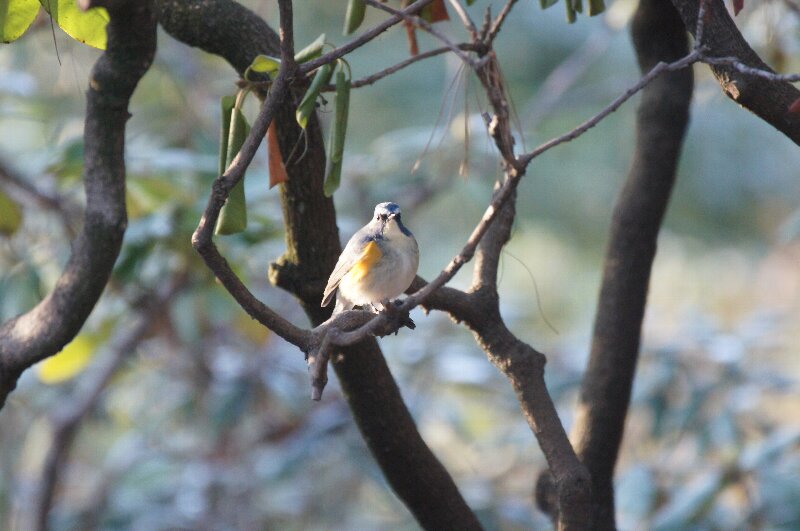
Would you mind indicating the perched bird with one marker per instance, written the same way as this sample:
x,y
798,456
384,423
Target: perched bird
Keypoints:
x,y
378,263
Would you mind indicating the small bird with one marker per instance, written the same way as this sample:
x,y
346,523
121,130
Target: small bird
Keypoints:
x,y
378,263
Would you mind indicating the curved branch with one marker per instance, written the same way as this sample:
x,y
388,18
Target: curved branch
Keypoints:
x,y
768,99
658,36
53,323
524,367
419,479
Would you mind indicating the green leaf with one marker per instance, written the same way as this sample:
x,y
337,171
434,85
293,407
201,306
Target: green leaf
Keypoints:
x,y
312,51
547,3
233,216
309,101
16,16
264,64
10,215
333,173
88,27
145,195
354,16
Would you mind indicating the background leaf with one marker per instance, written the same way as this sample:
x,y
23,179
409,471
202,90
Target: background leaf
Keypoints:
x,y
88,27
10,215
69,362
16,16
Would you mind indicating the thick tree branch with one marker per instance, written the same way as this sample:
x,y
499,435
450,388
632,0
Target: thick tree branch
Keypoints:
x,y
768,99
658,36
313,246
53,323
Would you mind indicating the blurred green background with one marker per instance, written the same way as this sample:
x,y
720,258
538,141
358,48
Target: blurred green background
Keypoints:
x,y
208,424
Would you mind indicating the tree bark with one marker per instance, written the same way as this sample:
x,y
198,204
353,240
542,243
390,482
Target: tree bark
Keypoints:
x,y
658,35
227,29
770,100
54,322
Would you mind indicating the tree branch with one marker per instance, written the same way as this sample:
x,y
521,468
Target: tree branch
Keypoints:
x,y
313,246
768,99
406,15
658,36
53,323
48,200
367,36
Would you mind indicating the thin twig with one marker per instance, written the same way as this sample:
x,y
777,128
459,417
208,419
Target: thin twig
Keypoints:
x,y
427,27
659,69
465,19
58,204
377,76
365,37
501,17
744,69
701,21
202,238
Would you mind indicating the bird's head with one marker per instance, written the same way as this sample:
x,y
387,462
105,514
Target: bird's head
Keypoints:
x,y
388,215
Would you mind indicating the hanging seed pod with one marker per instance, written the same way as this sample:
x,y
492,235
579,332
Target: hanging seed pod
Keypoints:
x,y
571,15
233,216
596,7
354,16
333,173
309,101
312,51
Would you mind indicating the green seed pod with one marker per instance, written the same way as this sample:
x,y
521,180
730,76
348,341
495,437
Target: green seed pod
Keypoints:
x,y
571,16
354,16
309,101
338,133
233,216
596,7
312,51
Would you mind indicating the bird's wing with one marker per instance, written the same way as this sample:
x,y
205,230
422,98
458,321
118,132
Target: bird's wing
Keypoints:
x,y
360,251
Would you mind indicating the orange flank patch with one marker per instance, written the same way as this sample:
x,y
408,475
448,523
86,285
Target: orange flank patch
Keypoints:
x,y
372,253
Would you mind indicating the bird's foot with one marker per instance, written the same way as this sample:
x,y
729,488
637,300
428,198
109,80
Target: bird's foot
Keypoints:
x,y
393,312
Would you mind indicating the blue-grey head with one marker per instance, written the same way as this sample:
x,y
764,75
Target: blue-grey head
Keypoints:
x,y
388,213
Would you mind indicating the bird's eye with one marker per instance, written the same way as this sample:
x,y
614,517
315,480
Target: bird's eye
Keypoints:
x,y
382,217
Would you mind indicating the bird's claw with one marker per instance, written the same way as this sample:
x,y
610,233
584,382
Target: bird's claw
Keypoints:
x,y
392,311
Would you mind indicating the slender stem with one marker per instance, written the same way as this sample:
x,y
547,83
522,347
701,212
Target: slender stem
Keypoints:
x,y
657,70
427,27
501,17
364,38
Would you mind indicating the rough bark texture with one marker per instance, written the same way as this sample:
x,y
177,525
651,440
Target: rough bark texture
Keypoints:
x,y
479,310
768,99
658,35
54,322
224,28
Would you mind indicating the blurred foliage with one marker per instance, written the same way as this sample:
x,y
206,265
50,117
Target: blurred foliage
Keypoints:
x,y
208,424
